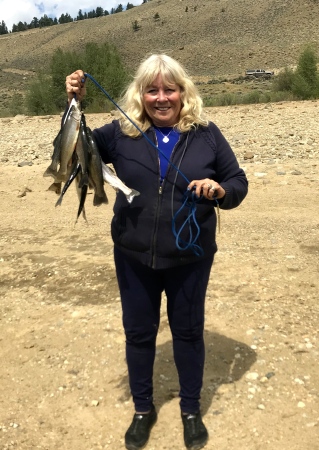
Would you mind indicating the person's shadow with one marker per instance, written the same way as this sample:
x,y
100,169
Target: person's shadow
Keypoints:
x,y
227,360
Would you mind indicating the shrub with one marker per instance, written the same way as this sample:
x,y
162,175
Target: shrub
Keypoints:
x,y
135,25
284,80
16,105
251,97
39,98
306,80
46,95
303,83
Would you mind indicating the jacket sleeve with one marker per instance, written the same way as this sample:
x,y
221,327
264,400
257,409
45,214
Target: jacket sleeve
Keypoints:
x,y
228,173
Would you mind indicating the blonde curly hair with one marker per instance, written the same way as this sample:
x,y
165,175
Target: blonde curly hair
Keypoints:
x,y
191,114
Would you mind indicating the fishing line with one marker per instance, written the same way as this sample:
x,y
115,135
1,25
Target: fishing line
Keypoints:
x,y
190,198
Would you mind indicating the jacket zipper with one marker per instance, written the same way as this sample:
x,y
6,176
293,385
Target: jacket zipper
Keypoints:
x,y
159,201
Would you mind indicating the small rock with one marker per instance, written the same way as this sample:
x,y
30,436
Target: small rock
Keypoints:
x,y
260,174
249,155
252,376
95,403
25,163
270,374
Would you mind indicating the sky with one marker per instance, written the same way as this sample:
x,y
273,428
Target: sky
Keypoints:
x,y
14,11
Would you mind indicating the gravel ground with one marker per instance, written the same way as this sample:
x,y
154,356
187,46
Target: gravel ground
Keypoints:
x,y
63,372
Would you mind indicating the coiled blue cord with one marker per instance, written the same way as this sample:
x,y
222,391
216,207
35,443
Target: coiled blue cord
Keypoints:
x,y
190,198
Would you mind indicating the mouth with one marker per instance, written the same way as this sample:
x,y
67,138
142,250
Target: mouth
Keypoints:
x,y
159,108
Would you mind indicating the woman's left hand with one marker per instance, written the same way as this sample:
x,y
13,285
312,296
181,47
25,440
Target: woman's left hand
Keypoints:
x,y
210,189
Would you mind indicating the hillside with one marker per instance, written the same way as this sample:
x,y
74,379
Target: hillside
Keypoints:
x,y
211,38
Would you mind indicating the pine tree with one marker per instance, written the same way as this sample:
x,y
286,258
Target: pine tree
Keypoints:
x,y
3,28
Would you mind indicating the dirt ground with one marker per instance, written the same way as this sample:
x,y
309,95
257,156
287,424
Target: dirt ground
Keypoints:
x,y
63,376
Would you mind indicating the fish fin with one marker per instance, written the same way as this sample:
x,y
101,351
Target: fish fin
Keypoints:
x,y
83,215
131,195
50,172
55,187
58,203
84,190
98,200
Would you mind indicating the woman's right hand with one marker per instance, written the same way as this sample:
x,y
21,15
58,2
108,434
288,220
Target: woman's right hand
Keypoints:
x,y
75,85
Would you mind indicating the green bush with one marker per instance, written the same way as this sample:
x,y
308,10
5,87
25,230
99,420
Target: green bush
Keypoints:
x,y
16,105
284,80
306,81
254,97
39,99
303,83
251,97
46,95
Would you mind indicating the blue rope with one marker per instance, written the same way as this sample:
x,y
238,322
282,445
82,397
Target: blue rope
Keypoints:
x,y
190,199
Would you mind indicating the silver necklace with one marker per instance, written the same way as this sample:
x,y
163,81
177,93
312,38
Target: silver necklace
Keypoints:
x,y
165,138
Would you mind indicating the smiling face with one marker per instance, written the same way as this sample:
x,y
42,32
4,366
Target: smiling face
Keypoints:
x,y
162,102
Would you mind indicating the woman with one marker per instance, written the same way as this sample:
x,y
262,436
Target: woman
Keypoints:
x,y
154,250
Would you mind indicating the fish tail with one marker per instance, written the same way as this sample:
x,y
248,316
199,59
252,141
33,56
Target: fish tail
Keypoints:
x,y
55,187
50,172
58,203
81,205
99,200
131,195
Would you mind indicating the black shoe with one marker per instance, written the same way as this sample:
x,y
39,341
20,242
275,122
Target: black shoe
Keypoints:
x,y
139,431
195,432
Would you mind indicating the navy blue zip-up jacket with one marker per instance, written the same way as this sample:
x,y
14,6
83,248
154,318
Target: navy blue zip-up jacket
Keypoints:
x,y
143,229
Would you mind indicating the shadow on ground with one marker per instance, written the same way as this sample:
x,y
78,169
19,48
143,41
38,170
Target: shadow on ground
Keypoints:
x,y
227,360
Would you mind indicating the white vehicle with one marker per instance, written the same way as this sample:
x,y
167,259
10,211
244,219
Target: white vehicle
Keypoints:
x,y
259,73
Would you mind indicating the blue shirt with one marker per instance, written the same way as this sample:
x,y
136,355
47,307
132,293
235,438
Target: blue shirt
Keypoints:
x,y
165,147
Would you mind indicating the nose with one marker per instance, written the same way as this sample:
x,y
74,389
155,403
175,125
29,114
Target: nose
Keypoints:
x,y
161,96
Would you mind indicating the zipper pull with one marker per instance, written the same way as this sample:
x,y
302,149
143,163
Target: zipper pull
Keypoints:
x,y
160,190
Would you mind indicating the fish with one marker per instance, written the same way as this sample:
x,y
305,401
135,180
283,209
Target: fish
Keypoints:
x,y
70,133
65,143
110,177
82,192
95,171
82,152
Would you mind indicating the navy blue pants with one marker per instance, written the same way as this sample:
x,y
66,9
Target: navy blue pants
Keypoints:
x,y
141,289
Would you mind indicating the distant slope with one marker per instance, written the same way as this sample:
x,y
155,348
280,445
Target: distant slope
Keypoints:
x,y
210,37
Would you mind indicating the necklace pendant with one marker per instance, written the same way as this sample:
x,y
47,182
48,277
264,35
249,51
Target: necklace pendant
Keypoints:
x,y
165,139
